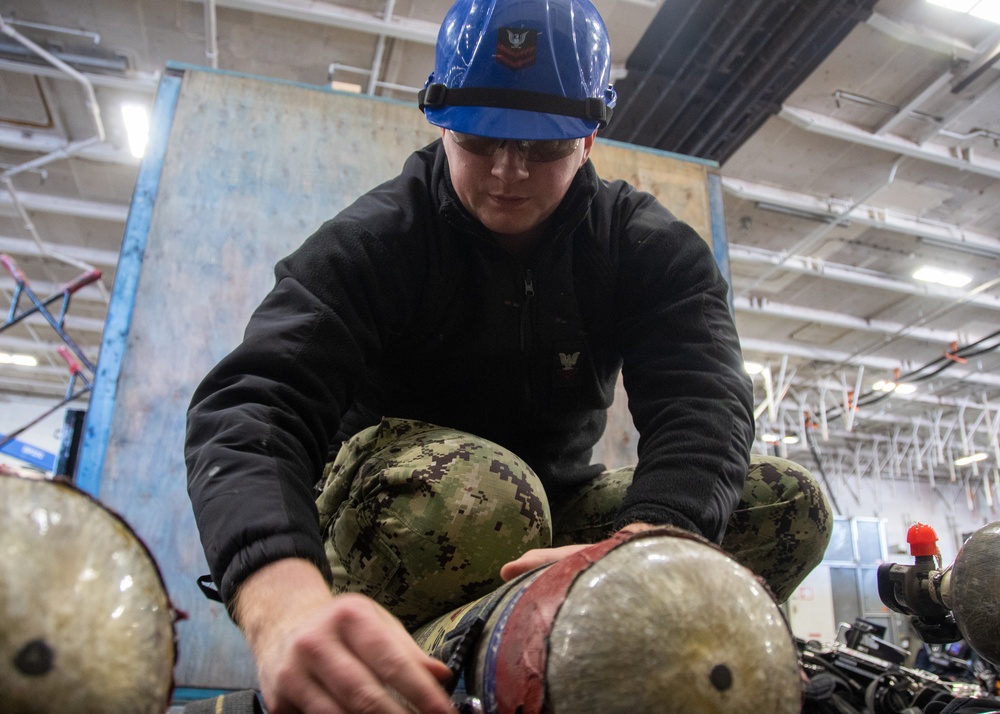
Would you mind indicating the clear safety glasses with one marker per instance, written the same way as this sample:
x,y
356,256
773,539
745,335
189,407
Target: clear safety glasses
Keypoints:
x,y
538,150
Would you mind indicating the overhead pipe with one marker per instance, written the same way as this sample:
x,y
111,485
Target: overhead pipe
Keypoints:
x,y
211,34
88,88
376,70
69,150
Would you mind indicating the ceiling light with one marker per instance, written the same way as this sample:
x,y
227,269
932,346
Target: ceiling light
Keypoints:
x,y
753,367
19,360
971,459
791,440
956,5
769,438
884,386
137,127
942,277
905,388
987,10
345,87
984,9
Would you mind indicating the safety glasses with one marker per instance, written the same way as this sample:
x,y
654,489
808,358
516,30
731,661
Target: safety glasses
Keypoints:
x,y
538,150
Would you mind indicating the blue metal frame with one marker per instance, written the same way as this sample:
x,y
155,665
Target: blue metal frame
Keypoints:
x,y
97,430
720,241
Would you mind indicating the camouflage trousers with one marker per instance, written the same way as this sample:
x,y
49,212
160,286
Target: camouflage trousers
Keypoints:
x,y
421,518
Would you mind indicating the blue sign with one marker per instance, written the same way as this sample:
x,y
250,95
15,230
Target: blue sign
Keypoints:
x,y
29,454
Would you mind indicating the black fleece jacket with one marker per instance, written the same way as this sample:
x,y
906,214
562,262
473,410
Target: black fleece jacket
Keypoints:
x,y
402,305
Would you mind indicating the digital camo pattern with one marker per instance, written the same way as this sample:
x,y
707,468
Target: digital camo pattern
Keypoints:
x,y
421,518
782,524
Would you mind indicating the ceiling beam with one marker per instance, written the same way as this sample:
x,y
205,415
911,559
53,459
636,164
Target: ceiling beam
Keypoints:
x,y
820,268
44,203
874,216
140,82
959,159
91,256
47,143
402,28
762,306
923,36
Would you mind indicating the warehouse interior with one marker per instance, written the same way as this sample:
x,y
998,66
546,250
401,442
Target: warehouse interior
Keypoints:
x,y
856,145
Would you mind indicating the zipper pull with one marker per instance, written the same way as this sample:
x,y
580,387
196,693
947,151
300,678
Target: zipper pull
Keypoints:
x,y
529,284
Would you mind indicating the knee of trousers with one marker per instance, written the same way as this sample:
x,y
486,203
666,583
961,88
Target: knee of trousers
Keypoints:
x,y
773,480
430,517
807,515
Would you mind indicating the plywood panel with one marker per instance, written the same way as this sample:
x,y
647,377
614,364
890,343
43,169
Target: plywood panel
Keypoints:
x,y
251,168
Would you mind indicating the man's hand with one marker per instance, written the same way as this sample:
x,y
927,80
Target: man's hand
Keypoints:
x,y
318,653
545,556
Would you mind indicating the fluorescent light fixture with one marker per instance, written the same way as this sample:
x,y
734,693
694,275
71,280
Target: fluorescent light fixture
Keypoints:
x,y
137,127
884,386
345,87
791,439
950,278
983,9
753,367
19,360
971,459
769,438
904,388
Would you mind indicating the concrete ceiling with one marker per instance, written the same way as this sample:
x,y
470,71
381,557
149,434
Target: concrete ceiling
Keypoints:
x,y
863,142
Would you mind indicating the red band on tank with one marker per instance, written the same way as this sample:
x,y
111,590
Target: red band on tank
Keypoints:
x,y
522,655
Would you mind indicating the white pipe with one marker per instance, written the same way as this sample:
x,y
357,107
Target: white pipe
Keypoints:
x,y
88,88
61,153
211,34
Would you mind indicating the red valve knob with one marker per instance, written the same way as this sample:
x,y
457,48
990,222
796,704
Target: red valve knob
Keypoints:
x,y
922,540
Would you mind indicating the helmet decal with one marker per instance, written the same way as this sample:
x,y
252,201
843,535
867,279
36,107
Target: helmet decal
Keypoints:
x,y
516,49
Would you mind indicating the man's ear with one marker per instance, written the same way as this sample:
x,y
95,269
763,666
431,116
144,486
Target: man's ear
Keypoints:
x,y
588,144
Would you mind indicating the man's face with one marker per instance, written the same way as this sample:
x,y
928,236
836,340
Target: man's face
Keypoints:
x,y
507,193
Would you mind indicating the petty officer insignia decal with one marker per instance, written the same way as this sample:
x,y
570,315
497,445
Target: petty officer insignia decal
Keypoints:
x,y
516,48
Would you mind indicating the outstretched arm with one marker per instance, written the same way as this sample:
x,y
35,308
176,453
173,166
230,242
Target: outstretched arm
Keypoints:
x,y
318,652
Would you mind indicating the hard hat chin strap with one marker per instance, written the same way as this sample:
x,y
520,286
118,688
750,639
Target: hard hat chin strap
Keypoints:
x,y
438,95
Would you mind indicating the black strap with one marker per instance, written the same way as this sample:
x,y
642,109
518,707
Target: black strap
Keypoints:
x,y
208,588
438,95
244,702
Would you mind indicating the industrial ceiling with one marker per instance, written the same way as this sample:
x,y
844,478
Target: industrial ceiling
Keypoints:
x,y
857,141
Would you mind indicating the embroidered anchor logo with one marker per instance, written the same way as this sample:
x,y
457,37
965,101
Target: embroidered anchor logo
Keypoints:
x,y
568,362
516,48
517,38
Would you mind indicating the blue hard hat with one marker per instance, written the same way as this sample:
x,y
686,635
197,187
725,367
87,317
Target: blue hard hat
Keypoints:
x,y
521,69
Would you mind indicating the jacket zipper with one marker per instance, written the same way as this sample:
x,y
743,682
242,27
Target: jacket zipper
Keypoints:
x,y
529,293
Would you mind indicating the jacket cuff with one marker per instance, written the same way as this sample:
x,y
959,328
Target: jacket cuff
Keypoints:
x,y
267,550
657,517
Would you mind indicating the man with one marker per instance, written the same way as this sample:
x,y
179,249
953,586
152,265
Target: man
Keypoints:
x,y
454,338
